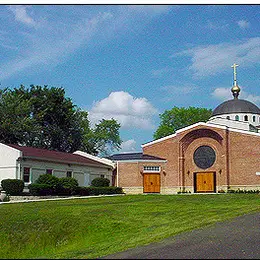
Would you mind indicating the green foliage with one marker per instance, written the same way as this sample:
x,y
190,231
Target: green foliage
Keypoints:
x,y
87,191
48,184
100,182
105,190
242,191
79,228
37,189
12,186
68,185
177,118
49,179
43,117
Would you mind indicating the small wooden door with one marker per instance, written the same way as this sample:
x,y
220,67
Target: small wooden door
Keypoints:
x,y
152,182
205,182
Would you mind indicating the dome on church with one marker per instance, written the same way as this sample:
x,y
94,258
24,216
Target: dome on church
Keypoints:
x,y
236,106
238,113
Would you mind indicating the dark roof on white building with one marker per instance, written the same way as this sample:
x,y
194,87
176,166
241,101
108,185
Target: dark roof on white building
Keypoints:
x,y
236,106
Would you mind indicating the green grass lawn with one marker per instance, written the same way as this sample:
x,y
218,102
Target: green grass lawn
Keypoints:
x,y
94,227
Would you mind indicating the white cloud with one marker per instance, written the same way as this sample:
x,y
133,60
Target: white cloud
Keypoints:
x,y
222,93
213,59
160,72
21,15
52,45
128,146
129,111
58,37
243,24
225,94
216,26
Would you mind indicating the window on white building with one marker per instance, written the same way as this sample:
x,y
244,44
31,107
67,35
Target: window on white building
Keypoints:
x,y
49,171
69,174
26,174
237,118
152,169
246,118
253,118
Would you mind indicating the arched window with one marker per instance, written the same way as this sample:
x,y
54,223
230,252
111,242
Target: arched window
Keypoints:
x,y
253,118
246,118
237,118
228,117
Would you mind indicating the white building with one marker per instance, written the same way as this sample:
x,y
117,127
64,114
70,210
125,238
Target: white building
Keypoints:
x,y
28,163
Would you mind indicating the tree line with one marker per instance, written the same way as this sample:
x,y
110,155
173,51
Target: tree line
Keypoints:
x,y
43,117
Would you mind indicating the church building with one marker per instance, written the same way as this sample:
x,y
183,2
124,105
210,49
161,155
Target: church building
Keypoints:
x,y
211,157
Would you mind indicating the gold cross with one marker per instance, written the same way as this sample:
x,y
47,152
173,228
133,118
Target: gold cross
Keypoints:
x,y
235,73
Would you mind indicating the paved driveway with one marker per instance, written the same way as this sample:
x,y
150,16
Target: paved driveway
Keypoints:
x,y
236,239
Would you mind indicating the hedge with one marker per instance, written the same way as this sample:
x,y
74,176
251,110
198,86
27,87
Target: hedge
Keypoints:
x,y
12,186
38,189
100,182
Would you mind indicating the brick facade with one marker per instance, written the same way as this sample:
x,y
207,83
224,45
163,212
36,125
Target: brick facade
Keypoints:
x,y
235,167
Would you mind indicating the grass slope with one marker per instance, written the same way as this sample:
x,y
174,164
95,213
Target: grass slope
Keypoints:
x,y
94,227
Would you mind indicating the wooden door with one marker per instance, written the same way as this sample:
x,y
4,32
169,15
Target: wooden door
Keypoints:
x,y
152,182
205,182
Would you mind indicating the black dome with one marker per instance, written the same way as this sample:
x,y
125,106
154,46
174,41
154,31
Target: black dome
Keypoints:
x,y
236,106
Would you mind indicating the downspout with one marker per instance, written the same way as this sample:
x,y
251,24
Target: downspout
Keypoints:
x,y
117,174
227,157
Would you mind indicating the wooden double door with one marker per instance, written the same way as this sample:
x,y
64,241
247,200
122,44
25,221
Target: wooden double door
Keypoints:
x,y
205,182
151,182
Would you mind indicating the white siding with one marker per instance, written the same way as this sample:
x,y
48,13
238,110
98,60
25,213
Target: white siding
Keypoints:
x,y
9,168
83,173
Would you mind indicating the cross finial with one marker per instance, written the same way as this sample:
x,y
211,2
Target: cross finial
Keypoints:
x,y
235,89
235,73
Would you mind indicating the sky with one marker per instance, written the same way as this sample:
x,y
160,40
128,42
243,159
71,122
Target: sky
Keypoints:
x,y
133,62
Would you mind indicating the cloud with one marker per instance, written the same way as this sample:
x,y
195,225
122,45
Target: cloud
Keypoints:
x,y
213,59
53,44
222,93
225,94
160,72
129,111
216,26
21,15
58,36
128,146
243,24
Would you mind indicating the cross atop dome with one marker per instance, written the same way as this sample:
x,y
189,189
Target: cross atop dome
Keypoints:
x,y
235,89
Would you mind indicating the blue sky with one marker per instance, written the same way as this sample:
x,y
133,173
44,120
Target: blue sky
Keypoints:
x,y
132,62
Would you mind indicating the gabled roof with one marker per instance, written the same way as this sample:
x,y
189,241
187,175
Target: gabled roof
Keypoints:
x,y
54,156
200,124
134,157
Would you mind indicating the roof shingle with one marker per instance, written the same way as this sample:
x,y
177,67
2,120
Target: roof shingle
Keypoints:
x,y
133,156
49,155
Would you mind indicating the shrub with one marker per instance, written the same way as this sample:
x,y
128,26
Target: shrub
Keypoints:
x,y
69,183
82,191
100,182
67,186
51,180
12,186
38,189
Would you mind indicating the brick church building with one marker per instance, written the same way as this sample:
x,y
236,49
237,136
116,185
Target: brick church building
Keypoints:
x,y
221,154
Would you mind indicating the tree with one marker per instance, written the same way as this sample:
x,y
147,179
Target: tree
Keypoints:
x,y
43,117
177,118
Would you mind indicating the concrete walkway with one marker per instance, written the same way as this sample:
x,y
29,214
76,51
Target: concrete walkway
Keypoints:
x,y
235,239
